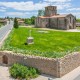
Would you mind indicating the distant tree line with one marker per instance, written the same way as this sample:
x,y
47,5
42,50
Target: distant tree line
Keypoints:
x,y
78,20
30,21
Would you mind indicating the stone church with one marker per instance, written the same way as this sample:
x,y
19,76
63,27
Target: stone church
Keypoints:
x,y
56,21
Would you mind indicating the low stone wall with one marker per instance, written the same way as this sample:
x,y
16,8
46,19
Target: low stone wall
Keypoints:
x,y
69,63
44,65
55,67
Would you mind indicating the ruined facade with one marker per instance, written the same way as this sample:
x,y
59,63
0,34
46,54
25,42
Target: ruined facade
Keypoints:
x,y
53,20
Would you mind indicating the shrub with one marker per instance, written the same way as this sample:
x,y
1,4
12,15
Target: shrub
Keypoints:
x,y
21,72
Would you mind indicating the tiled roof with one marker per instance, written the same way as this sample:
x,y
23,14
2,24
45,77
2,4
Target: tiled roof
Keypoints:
x,y
55,16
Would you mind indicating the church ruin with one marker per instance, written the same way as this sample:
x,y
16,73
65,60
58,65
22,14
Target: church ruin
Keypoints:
x,y
56,21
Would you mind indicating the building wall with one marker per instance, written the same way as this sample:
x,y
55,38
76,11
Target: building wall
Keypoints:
x,y
62,23
53,23
71,22
41,22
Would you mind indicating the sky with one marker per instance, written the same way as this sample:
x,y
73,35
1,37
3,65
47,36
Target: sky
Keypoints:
x,y
28,8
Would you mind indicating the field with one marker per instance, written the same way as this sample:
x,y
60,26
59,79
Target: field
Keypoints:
x,y
47,43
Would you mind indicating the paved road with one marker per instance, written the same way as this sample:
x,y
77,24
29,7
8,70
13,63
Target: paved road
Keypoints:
x,y
5,29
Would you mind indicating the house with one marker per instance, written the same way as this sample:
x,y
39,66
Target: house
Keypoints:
x,y
21,21
3,21
53,20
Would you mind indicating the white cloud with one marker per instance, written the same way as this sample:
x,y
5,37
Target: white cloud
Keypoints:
x,y
2,9
57,0
73,9
15,13
62,5
77,14
19,14
31,6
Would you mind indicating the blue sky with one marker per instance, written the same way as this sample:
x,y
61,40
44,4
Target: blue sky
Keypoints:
x,y
28,8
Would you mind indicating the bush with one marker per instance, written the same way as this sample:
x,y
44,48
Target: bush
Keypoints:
x,y
19,71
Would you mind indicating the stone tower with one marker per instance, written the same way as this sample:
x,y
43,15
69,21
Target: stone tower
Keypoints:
x,y
50,10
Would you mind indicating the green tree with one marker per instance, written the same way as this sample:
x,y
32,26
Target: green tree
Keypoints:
x,y
28,21
33,20
40,12
16,23
78,20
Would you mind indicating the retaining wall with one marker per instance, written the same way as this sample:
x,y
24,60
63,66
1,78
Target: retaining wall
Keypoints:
x,y
55,67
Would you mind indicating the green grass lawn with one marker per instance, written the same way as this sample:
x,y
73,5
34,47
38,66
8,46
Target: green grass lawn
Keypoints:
x,y
52,44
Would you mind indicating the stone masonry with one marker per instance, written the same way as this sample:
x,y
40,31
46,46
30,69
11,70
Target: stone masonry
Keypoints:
x,y
53,20
55,67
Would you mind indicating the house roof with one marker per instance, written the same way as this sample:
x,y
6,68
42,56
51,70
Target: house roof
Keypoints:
x,y
55,16
20,20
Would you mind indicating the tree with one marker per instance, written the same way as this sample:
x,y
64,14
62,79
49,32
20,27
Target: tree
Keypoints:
x,y
33,20
16,23
78,20
28,21
40,12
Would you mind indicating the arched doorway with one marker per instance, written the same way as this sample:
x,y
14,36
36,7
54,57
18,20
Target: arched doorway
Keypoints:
x,y
5,59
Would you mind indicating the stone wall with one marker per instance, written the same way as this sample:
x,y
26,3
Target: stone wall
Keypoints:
x,y
55,67
44,65
69,63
